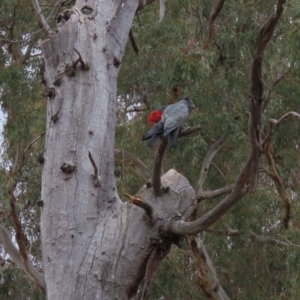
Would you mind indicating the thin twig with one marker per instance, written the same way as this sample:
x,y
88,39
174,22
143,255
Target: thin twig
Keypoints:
x,y
213,164
96,177
141,203
266,102
29,146
290,243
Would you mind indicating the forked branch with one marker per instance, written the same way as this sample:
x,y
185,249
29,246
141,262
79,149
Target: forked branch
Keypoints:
x,y
206,163
248,176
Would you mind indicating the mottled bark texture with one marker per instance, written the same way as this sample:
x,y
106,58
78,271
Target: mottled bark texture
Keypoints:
x,y
94,246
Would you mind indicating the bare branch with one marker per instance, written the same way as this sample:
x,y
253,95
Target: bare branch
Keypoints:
x,y
132,161
156,180
216,193
162,9
23,261
207,161
191,228
290,243
42,22
266,102
267,240
20,237
274,122
188,131
30,45
215,10
13,252
138,201
213,164
233,232
272,172
208,280
29,146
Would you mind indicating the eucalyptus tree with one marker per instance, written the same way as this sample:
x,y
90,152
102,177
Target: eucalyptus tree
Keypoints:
x,y
93,244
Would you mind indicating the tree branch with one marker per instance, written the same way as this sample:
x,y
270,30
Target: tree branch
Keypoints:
x,y
288,242
274,122
188,131
206,163
138,201
216,193
24,58
267,240
133,162
285,196
215,10
233,232
20,236
208,280
42,22
156,180
266,102
29,146
257,88
13,252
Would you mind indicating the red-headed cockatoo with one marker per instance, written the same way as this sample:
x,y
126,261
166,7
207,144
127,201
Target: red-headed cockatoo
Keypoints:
x,y
172,118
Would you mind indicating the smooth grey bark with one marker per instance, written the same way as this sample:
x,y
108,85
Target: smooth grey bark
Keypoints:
x,y
94,246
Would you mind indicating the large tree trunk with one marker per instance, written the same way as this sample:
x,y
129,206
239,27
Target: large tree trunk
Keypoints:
x,y
94,246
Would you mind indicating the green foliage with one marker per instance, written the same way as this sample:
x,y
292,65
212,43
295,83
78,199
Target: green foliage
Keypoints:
x,y
174,53
174,59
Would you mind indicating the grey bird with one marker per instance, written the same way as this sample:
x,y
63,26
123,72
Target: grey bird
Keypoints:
x,y
172,118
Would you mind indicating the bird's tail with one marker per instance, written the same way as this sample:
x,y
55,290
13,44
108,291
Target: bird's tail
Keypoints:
x,y
172,138
153,134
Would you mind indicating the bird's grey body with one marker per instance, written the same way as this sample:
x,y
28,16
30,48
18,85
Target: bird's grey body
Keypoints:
x,y
172,118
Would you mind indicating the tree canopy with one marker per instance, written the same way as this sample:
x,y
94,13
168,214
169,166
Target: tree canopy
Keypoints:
x,y
191,51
